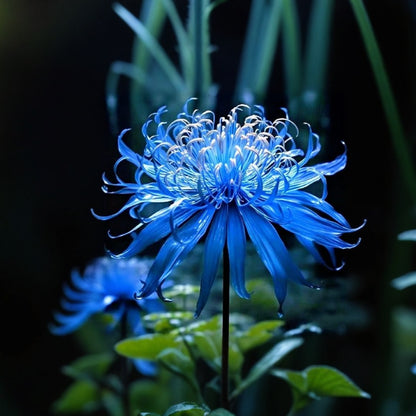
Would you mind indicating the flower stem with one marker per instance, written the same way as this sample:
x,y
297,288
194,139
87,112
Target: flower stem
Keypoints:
x,y
225,328
198,79
124,370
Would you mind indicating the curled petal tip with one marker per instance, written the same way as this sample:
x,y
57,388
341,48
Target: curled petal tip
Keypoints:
x,y
94,214
198,312
340,266
101,217
111,254
161,296
139,295
355,244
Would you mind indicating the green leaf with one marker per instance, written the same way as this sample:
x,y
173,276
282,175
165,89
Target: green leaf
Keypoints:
x,y
112,403
185,409
181,290
180,364
409,235
147,347
213,324
258,334
328,381
267,362
221,412
404,331
150,395
403,282
89,366
80,396
209,348
303,328
316,382
166,321
235,359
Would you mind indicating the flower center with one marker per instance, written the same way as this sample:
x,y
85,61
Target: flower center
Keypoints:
x,y
205,164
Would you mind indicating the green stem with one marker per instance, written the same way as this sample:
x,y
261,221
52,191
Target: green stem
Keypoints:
x,y
249,54
387,98
198,49
225,329
316,61
201,71
124,371
153,16
267,51
292,50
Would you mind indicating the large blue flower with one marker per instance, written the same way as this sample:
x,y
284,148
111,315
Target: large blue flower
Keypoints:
x,y
107,286
224,180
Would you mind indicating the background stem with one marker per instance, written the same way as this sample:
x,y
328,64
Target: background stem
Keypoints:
x,y
124,371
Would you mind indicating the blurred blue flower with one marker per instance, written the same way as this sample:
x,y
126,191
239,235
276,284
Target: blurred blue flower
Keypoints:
x,y
107,286
198,177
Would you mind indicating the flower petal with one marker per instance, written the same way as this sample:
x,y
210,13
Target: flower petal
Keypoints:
x,y
312,201
273,252
68,323
236,243
126,152
159,228
174,250
214,245
133,201
311,225
308,175
311,247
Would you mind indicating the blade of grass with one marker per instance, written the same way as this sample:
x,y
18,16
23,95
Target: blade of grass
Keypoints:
x,y
251,46
292,61
117,69
152,14
317,56
184,42
387,98
153,46
268,49
199,30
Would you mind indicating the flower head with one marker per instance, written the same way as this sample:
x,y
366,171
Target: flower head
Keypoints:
x,y
227,180
107,286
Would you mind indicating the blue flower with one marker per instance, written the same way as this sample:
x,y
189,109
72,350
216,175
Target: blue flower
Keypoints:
x,y
225,180
107,286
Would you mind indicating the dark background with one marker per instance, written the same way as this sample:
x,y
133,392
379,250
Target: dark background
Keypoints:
x,y
56,142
